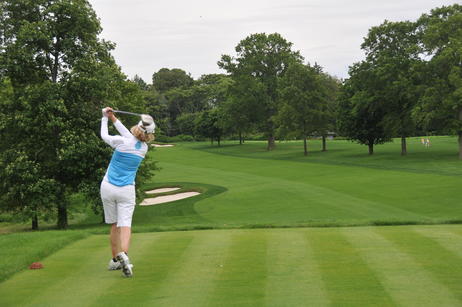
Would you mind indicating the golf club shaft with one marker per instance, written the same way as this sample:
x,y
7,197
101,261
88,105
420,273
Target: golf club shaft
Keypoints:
x,y
125,112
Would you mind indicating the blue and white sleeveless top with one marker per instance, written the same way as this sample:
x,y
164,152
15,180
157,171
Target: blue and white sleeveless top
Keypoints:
x,y
127,156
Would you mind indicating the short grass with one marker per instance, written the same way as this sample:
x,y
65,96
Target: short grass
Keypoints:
x,y
250,187
360,266
247,187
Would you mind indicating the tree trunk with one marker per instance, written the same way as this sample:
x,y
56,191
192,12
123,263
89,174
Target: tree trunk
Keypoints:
x,y
460,136
305,146
371,148
54,72
218,140
460,145
271,143
240,137
35,221
403,146
324,148
62,215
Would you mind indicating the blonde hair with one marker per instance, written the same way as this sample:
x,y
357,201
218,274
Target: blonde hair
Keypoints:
x,y
141,135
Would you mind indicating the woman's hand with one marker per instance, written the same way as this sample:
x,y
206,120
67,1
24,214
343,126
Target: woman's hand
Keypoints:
x,y
108,112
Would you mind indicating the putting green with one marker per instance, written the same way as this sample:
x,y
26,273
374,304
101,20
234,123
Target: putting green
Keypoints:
x,y
359,266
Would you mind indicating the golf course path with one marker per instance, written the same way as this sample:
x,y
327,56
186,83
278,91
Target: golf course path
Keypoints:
x,y
345,266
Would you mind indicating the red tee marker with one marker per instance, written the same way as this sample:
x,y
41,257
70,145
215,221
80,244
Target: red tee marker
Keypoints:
x,y
36,265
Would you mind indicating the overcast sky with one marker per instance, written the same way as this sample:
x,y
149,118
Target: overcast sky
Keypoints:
x,y
192,35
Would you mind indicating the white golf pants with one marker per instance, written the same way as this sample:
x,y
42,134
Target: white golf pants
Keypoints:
x,y
118,203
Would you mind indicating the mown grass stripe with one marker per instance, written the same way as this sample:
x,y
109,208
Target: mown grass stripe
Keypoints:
x,y
405,280
191,281
293,275
242,281
348,279
154,257
430,255
449,237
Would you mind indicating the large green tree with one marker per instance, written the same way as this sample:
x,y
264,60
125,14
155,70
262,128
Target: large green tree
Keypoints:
x,y
25,189
265,58
166,79
441,37
331,87
361,112
303,101
393,49
239,109
59,74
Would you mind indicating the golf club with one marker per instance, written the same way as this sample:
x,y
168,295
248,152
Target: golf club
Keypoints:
x,y
146,119
125,112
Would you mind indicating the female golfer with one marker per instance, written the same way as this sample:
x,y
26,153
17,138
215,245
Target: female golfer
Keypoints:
x,y
118,185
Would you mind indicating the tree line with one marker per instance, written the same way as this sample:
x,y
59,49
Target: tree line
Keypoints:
x,y
408,84
268,90
410,81
56,74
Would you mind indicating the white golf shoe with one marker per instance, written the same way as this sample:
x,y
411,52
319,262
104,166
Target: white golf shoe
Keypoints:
x,y
127,267
114,265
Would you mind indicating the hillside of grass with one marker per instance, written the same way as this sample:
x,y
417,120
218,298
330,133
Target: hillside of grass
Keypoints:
x,y
251,187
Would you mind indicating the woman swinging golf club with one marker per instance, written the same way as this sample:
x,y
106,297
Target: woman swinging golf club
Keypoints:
x,y
118,185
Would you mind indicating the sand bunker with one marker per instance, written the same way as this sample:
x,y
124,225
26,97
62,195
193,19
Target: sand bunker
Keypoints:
x,y
162,145
162,190
167,198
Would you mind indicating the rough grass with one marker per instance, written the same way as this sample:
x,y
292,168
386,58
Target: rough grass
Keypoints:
x,y
19,250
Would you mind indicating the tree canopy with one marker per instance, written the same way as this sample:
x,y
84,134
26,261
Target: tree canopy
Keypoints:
x,y
303,101
393,50
264,58
57,75
361,113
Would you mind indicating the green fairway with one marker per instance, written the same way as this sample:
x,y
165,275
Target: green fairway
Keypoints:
x,y
373,266
250,187
244,187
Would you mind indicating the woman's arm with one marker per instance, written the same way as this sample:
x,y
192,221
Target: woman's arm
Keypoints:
x,y
118,124
122,129
111,140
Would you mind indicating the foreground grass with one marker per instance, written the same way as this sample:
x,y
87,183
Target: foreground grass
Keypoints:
x,y
19,250
361,266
